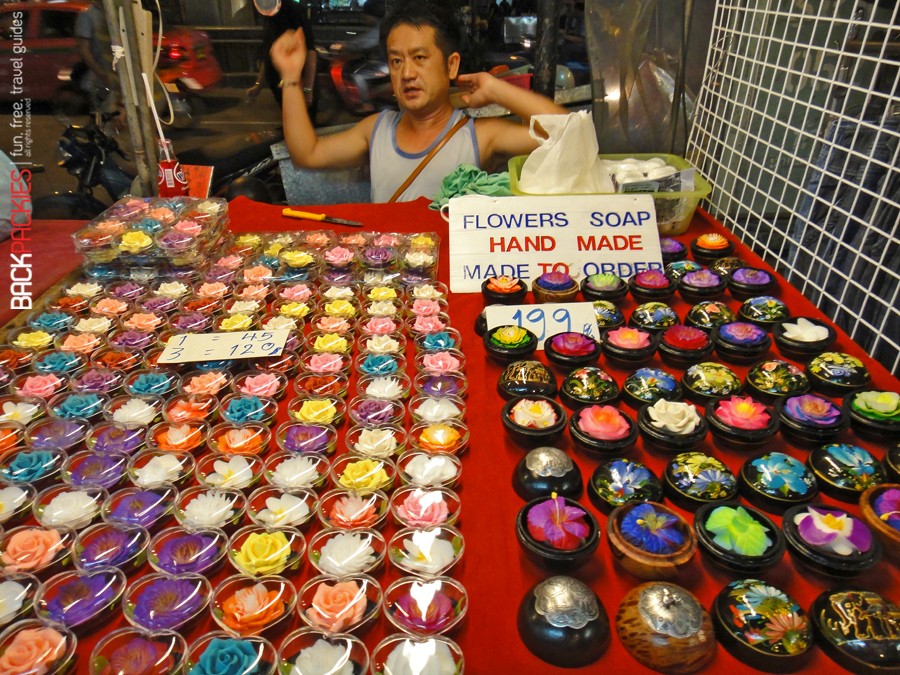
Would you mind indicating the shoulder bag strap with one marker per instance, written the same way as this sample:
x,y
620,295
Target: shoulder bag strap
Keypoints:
x,y
427,158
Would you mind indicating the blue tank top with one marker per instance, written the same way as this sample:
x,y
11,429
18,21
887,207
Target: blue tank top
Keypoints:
x,y
389,166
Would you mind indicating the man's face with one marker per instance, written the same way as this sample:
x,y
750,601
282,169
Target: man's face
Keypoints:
x,y
420,76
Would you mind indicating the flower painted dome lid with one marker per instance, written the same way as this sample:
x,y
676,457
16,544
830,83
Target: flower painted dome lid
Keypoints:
x,y
621,481
844,471
693,479
776,481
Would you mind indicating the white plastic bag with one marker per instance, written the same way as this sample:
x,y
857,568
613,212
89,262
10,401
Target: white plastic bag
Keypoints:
x,y
566,161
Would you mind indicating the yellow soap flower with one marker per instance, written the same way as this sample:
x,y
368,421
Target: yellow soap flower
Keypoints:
x,y
439,438
33,340
236,322
319,412
331,343
295,309
274,249
366,474
421,241
135,242
340,308
297,258
263,553
253,240
510,336
382,293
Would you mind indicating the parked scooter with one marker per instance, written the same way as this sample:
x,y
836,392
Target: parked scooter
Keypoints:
x,y
242,164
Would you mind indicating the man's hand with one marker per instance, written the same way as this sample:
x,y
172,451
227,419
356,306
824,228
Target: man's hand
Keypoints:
x,y
253,92
289,55
476,89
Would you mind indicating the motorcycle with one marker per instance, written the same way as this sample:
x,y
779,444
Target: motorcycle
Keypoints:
x,y
242,164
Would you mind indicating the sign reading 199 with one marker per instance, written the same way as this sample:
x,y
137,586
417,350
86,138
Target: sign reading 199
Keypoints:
x,y
544,323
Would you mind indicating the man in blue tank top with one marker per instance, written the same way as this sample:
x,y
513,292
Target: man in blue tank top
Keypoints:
x,y
421,41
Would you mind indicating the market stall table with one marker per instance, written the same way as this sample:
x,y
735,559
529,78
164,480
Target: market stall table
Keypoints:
x,y
494,568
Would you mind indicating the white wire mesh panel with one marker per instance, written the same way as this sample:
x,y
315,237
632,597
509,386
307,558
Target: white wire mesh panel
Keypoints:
x,y
798,130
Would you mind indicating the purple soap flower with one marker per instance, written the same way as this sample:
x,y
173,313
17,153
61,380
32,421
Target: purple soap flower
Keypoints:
x,y
652,279
812,409
81,599
111,547
374,411
219,273
137,656
159,303
119,440
103,470
440,385
669,245
190,321
379,255
127,290
306,438
133,339
752,276
187,553
167,603
142,508
97,380
58,434
743,333
702,279
555,281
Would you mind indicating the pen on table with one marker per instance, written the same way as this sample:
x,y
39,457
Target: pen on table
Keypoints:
x,y
306,215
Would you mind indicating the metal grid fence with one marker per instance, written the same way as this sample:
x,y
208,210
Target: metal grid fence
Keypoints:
x,y
798,129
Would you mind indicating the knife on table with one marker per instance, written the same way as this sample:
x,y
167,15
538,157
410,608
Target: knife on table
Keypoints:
x,y
306,215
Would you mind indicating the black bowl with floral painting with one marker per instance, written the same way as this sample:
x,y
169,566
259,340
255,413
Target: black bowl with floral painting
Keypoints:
x,y
557,532
741,423
764,310
692,479
741,342
770,380
628,347
844,471
874,415
604,286
727,265
707,315
737,538
503,291
607,314
671,426
748,282
651,286
509,343
709,380
810,420
801,338
701,285
676,270
672,250
653,316
776,481
683,346
602,430
707,248
554,286
533,420
545,470
830,541
649,540
837,374
648,385
571,350
588,386
524,378
749,608
621,481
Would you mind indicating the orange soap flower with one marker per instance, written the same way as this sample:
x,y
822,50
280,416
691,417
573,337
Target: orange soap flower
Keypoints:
x,y
32,651
30,549
240,442
251,609
337,607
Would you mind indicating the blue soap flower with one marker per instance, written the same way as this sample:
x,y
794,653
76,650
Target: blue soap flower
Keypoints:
x,y
379,364
52,321
29,466
57,362
79,405
438,341
225,656
151,383
245,409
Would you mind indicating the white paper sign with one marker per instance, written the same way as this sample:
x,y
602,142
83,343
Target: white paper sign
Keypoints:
x,y
525,237
545,320
249,344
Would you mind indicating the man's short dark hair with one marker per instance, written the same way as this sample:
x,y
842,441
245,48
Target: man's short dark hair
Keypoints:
x,y
419,13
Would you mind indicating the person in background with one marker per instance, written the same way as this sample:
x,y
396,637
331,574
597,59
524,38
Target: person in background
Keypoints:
x,y
422,43
290,17
95,49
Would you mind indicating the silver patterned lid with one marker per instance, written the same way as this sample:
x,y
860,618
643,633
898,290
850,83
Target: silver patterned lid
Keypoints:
x,y
566,602
671,610
548,461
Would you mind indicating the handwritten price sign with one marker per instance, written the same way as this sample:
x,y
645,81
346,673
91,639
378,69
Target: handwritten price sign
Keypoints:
x,y
250,344
546,320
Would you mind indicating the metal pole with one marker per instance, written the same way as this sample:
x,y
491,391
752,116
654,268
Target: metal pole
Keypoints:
x,y
546,53
136,109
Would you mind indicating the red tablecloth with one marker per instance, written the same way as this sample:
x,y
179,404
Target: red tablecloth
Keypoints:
x,y
494,570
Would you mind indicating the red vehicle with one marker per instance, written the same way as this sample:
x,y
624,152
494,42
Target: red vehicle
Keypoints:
x,y
43,35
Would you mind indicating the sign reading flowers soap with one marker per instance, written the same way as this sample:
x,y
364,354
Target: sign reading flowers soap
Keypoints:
x,y
525,237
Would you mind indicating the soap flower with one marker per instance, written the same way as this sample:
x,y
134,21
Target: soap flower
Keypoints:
x,y
603,422
325,363
427,291
685,337
30,549
240,442
340,307
424,552
297,293
651,529
257,274
382,293
138,656
210,382
339,256
331,343
440,438
333,324
317,411
702,278
736,530
712,240
836,531
353,511
215,289
629,338
533,414
294,309
440,362
284,510
428,324
555,281
296,472
812,409
783,473
422,307
135,242
879,405
42,386
37,339
297,258
504,284
32,651
675,417
337,607
172,289
264,384
604,282
423,508
555,523
178,437
743,413
804,330
379,326
208,509
510,337
134,411
264,553
236,322
250,610
379,443
143,321
280,322
236,473
573,344
365,474
743,333
74,509
887,507
430,471
80,343
652,279
19,411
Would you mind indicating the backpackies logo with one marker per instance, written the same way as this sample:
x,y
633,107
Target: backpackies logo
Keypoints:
x,y
20,273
